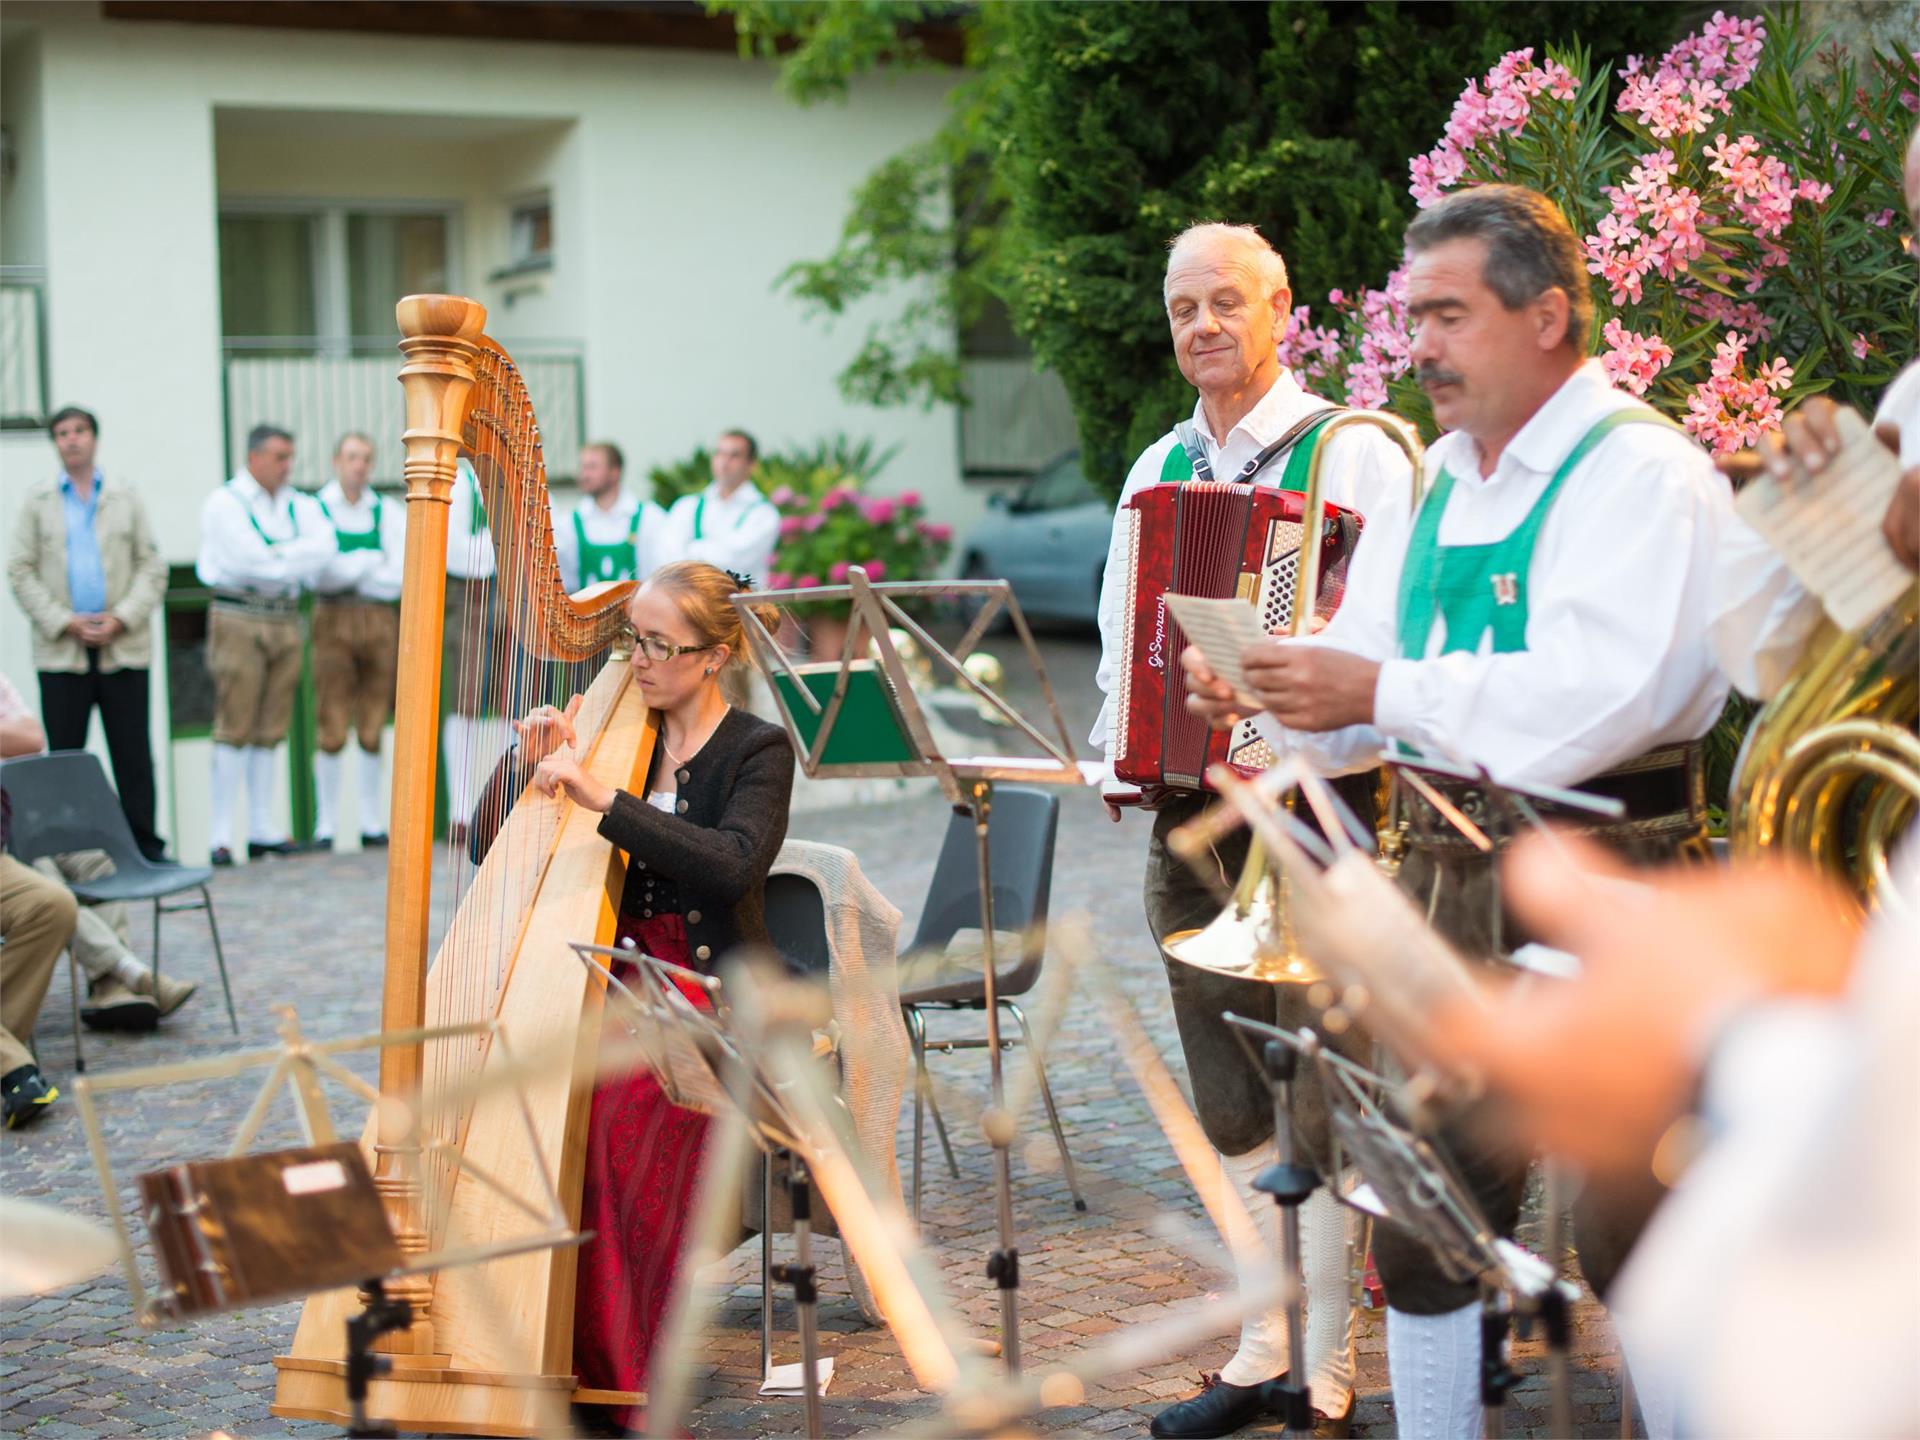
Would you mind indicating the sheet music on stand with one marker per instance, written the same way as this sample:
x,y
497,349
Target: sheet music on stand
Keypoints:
x,y
1827,527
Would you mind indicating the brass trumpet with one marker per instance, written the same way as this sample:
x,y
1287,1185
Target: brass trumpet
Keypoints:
x,y
1252,938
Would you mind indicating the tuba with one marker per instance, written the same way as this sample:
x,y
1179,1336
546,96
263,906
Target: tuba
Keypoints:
x,y
1252,938
1831,766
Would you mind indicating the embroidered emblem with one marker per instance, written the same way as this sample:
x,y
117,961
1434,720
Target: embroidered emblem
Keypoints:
x,y
1506,589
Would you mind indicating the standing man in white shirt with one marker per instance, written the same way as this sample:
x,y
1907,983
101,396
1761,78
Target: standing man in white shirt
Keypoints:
x,y
609,534
1228,304
1545,615
730,523
356,635
477,636
261,544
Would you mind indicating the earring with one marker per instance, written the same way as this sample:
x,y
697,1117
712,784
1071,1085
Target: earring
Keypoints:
x,y
709,670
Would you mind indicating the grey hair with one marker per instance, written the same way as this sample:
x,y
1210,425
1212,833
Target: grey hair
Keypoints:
x,y
261,435
1530,248
1272,269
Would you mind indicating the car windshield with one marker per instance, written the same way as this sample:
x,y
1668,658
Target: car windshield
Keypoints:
x,y
1058,486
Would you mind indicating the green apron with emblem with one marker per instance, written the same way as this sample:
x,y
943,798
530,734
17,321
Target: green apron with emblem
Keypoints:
x,y
350,540
1474,590
614,561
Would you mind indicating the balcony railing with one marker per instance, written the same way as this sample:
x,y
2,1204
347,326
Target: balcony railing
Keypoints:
x,y
1016,419
23,348
319,389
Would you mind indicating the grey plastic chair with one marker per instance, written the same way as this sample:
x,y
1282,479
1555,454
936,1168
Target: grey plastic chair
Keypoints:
x,y
1021,829
62,803
797,923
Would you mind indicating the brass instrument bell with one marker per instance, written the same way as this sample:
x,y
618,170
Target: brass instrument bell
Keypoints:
x,y
1252,938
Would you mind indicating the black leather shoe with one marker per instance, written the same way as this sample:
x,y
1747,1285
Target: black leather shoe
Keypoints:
x,y
1219,1409
221,857
372,842
257,851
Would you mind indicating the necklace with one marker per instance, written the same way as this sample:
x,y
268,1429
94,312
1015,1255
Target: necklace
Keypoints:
x,y
677,760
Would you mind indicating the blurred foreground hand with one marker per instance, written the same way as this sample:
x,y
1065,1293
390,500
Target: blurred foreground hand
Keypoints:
x,y
1596,1068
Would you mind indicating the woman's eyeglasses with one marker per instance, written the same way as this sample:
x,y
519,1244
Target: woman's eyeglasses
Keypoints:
x,y
659,651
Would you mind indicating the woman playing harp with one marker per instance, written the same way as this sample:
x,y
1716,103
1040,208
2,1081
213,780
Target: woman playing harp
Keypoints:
x,y
699,844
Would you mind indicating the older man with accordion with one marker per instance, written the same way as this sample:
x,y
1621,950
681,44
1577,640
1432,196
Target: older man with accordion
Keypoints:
x,y
1216,506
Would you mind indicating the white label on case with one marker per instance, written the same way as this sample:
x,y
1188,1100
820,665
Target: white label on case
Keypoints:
x,y
314,1177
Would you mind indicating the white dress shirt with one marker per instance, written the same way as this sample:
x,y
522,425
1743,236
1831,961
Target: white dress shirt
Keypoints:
x,y
607,525
1774,1292
272,545
1364,471
370,574
736,532
1617,659
469,547
1762,615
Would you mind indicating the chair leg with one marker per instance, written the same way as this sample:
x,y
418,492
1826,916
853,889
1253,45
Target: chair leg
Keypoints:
x,y
73,970
219,955
1046,1096
940,1130
917,1034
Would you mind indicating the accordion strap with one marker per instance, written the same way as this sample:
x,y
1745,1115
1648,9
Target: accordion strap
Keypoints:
x,y
1189,439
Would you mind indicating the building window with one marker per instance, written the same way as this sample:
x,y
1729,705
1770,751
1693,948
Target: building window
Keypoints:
x,y
530,236
332,271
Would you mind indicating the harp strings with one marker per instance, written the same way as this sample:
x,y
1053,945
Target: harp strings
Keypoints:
x,y
510,660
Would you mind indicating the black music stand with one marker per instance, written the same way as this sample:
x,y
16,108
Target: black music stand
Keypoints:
x,y
701,1062
861,717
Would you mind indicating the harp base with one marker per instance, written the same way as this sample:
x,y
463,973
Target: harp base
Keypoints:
x,y
434,1400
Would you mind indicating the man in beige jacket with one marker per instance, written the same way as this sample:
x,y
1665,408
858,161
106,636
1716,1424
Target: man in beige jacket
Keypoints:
x,y
84,568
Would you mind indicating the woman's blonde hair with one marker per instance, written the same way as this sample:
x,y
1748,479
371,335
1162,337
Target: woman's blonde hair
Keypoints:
x,y
705,594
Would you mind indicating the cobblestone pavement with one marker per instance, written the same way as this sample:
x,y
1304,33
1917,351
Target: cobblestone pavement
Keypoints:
x,y
307,933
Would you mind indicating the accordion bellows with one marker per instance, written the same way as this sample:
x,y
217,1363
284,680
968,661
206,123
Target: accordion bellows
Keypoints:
x,y
1215,540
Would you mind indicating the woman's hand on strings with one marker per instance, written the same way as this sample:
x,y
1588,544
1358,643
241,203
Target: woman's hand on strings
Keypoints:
x,y
563,772
546,729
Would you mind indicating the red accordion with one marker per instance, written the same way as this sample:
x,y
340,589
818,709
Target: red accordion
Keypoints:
x,y
1215,540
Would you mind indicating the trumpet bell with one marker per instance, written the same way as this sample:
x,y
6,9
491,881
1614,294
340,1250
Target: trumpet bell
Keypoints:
x,y
1248,945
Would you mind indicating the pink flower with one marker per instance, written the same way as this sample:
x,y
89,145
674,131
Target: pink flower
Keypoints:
x,y
880,510
1633,360
939,534
1860,345
1503,107
813,522
1731,410
837,572
806,582
876,570
779,580
836,497
1883,219
790,526
910,499
783,496
1339,297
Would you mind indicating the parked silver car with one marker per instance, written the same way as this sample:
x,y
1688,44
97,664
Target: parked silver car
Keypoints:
x,y
1049,539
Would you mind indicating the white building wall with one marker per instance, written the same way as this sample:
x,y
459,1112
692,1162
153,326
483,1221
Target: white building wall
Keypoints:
x,y
683,185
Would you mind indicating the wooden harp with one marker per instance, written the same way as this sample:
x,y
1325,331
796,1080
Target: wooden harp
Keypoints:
x,y
491,1350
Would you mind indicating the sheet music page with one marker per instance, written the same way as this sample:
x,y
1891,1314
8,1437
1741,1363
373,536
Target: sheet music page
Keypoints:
x,y
1221,629
1827,526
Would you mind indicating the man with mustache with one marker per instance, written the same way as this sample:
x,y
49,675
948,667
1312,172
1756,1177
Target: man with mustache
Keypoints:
x,y
1544,615
1228,305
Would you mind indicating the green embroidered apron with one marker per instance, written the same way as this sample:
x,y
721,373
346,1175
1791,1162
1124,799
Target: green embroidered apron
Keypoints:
x,y
613,561
1474,590
350,540
1179,465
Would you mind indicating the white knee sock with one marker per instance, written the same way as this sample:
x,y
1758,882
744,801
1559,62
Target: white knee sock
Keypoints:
x,y
223,788
1263,1334
1324,1238
1332,1237
260,796
326,792
1434,1364
455,752
373,800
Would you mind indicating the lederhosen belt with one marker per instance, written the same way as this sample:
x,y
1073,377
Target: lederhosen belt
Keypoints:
x,y
263,607
1664,792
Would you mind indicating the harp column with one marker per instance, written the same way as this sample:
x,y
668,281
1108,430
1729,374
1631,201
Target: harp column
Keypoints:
x,y
438,339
